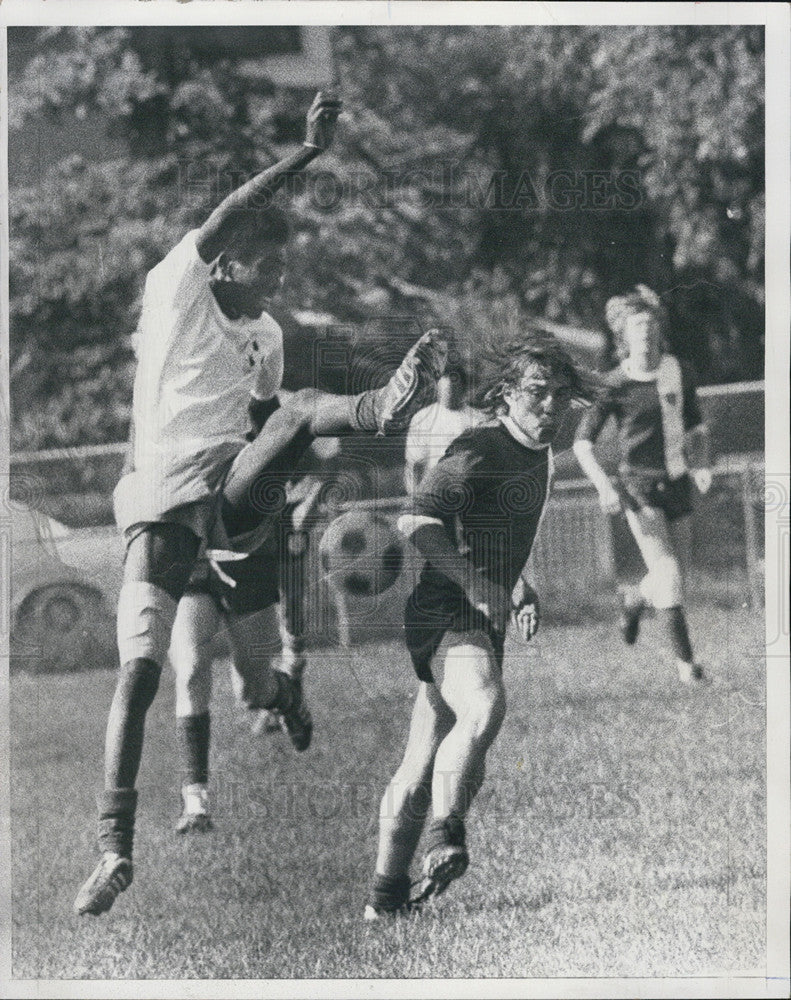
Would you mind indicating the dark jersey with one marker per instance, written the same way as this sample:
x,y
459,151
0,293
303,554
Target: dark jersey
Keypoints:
x,y
489,491
652,416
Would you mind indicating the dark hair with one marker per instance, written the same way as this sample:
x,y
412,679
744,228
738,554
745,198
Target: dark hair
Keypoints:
x,y
506,362
619,308
261,226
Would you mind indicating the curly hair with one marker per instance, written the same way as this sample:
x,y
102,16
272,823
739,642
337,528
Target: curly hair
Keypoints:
x,y
506,361
619,308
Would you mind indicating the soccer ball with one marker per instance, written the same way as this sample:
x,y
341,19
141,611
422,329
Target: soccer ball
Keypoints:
x,y
361,553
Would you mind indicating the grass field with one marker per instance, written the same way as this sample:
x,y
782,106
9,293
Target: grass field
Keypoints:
x,y
621,831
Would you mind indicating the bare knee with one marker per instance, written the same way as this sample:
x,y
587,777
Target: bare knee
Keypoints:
x,y
484,713
301,406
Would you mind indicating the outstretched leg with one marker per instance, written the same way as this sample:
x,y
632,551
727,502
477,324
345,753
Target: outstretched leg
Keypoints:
x,y
254,489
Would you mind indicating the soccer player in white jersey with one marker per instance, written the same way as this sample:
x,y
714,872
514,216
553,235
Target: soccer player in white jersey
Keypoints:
x,y
433,428
651,395
204,342
474,519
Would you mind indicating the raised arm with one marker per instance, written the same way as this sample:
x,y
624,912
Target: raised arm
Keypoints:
x,y
229,221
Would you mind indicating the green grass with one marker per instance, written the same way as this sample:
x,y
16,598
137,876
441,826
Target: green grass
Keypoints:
x,y
620,832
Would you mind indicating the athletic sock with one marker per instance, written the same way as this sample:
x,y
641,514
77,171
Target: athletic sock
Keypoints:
x,y
117,808
193,734
674,624
446,832
365,411
389,892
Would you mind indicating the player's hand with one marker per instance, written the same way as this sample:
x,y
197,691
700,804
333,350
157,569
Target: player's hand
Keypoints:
x,y
525,610
322,118
609,500
702,479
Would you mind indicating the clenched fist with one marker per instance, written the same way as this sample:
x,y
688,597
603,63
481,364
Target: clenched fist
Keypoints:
x,y
322,118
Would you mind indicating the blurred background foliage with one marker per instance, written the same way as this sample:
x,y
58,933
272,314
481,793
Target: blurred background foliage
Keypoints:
x,y
481,176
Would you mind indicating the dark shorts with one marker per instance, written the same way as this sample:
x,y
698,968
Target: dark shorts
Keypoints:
x,y
648,489
428,616
258,579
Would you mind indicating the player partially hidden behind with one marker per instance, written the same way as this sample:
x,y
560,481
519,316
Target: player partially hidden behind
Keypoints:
x,y
474,518
433,428
259,599
204,343
652,397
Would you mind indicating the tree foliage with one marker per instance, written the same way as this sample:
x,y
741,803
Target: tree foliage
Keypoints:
x,y
481,176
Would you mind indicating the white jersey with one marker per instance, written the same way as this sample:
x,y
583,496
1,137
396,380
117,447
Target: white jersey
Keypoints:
x,y
432,429
196,370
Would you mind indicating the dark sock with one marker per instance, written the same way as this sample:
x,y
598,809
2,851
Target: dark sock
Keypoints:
x,y
390,892
365,411
446,832
674,624
193,732
137,685
286,696
117,820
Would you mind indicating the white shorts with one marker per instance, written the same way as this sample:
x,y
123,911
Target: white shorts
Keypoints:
x,y
188,497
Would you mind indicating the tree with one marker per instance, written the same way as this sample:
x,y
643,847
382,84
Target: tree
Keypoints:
x,y
482,176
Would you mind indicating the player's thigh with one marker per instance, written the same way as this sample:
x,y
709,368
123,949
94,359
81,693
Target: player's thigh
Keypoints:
x,y
650,530
161,553
472,680
261,470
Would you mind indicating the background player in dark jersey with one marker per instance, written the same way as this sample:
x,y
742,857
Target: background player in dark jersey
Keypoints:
x,y
651,395
474,518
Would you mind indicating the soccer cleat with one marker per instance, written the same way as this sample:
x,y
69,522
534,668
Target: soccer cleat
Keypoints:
x,y
195,815
441,866
691,673
112,875
297,721
631,613
412,385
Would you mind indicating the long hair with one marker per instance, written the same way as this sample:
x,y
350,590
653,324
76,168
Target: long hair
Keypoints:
x,y
619,308
506,361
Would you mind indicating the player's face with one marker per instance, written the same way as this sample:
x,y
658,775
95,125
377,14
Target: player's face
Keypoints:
x,y
252,279
539,403
641,335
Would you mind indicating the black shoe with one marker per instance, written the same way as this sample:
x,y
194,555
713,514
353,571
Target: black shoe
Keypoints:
x,y
294,713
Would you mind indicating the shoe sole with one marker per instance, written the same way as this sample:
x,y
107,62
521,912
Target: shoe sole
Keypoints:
x,y
411,388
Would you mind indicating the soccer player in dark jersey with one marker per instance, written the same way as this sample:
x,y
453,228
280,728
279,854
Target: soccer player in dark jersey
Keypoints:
x,y
474,519
259,600
651,395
